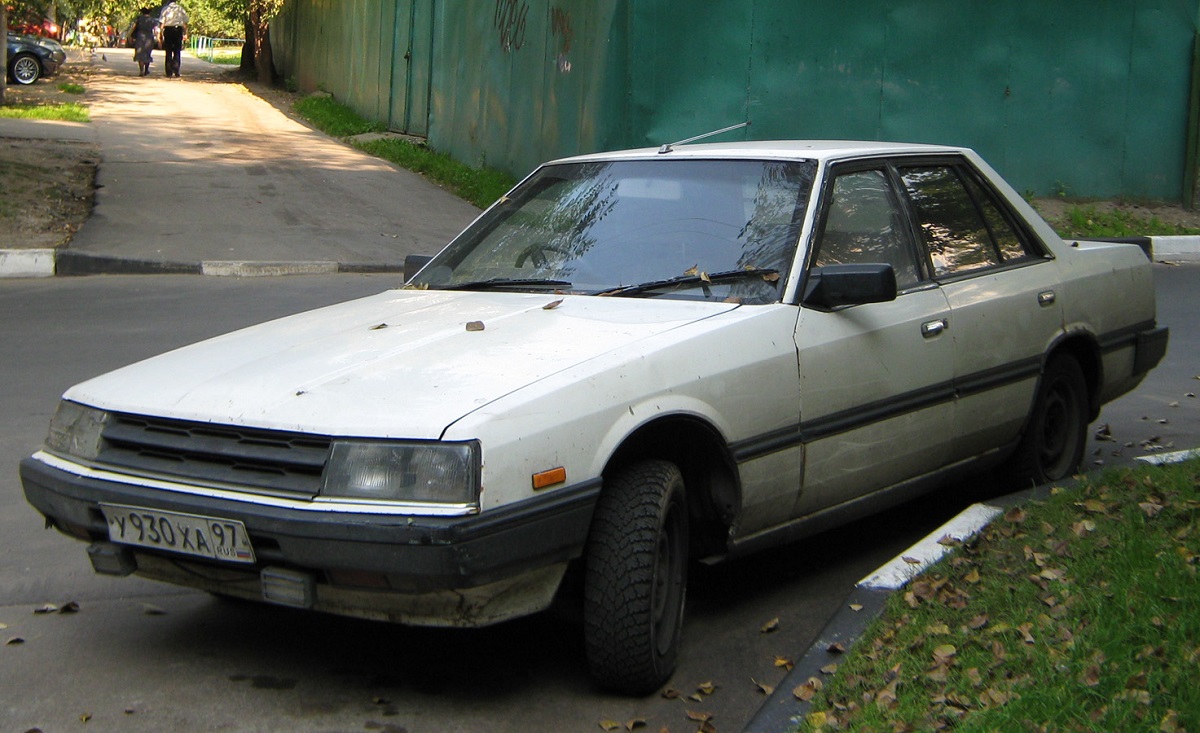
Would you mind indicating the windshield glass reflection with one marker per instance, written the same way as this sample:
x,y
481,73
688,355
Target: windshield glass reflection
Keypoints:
x,y
709,229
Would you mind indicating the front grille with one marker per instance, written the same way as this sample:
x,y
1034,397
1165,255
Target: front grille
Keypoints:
x,y
262,461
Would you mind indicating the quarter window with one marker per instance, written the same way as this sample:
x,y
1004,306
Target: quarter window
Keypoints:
x,y
961,223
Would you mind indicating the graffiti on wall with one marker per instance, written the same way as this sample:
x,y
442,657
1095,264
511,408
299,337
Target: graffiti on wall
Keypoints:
x,y
509,20
560,25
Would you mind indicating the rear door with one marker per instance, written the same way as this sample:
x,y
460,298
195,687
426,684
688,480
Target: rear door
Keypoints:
x,y
1001,287
876,379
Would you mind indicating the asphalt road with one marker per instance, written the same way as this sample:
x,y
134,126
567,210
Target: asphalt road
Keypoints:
x,y
138,656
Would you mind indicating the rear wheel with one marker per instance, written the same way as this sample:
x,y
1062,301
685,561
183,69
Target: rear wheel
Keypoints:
x,y
636,578
25,68
1056,435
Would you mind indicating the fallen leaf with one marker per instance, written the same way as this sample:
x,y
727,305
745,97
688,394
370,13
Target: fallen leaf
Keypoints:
x,y
836,647
152,610
378,327
817,719
939,629
14,641
806,691
829,668
1150,508
764,688
46,608
944,653
768,627
70,607
552,305
1083,527
973,576
610,725
911,560
856,607
784,662
635,723
475,325
1016,515
706,688
671,694
699,717
978,622
85,717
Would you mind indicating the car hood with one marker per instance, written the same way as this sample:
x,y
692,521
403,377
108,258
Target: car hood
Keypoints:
x,y
398,364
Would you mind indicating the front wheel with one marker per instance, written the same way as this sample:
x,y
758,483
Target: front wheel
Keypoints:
x,y
1055,437
636,578
25,69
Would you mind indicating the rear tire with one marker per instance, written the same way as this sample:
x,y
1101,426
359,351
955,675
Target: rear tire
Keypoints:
x,y
1055,437
636,578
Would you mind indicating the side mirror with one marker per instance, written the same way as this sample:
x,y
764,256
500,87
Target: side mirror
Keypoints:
x,y
833,286
413,265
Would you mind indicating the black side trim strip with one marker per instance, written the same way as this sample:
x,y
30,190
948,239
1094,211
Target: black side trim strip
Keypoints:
x,y
1150,342
1123,337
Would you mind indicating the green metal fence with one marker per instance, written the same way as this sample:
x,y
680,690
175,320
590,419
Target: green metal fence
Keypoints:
x,y
1075,97
215,50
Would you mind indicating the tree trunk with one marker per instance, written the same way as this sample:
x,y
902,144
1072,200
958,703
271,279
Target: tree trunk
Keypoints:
x,y
247,66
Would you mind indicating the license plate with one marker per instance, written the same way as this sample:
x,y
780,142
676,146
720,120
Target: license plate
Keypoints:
x,y
190,534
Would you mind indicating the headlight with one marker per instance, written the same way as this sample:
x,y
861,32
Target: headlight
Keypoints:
x,y
75,431
446,473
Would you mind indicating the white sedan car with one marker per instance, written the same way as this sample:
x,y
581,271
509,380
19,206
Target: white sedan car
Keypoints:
x,y
631,361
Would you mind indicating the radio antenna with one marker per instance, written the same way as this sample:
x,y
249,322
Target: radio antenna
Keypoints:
x,y
667,148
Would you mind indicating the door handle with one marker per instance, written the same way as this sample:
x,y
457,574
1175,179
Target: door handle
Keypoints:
x,y
930,329
1046,297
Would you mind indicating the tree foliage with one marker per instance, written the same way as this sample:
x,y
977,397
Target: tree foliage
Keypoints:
x,y
247,19
216,18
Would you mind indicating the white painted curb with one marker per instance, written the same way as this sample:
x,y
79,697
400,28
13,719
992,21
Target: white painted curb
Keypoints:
x,y
904,567
26,262
1175,248
221,268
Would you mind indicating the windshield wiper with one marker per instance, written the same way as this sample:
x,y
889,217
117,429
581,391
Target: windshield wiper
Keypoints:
x,y
703,279
505,282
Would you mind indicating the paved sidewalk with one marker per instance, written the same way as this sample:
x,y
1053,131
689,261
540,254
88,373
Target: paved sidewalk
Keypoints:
x,y
198,175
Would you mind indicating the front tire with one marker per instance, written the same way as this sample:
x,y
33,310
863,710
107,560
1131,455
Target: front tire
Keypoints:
x,y
1055,437
636,578
25,68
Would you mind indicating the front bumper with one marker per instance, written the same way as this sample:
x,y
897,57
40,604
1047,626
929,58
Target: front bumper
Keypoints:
x,y
379,566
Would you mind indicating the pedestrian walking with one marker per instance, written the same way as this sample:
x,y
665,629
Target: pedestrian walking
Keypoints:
x,y
143,41
174,29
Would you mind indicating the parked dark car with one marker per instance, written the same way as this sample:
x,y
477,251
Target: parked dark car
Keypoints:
x,y
30,58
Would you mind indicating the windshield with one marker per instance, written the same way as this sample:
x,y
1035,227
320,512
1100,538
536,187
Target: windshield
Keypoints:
x,y
697,229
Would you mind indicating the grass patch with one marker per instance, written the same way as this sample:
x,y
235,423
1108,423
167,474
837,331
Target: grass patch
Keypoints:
x,y
334,118
226,57
480,186
1083,222
71,88
69,111
1077,613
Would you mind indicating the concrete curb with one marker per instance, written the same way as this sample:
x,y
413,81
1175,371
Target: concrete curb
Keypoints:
x,y
28,263
783,711
16,263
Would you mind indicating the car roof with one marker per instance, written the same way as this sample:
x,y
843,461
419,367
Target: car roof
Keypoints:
x,y
820,150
